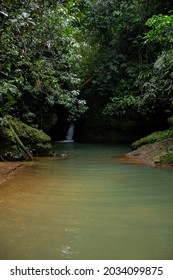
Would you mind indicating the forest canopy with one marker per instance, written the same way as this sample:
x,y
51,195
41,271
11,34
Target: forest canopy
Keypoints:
x,y
53,52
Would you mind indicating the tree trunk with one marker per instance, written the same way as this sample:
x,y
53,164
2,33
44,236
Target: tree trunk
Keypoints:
x,y
23,148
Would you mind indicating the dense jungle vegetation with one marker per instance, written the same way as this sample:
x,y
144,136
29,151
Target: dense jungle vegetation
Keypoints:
x,y
103,64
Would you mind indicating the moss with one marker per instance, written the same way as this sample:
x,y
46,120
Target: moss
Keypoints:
x,y
160,152
28,132
152,138
36,142
6,133
167,159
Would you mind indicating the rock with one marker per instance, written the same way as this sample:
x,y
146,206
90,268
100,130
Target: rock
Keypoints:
x,y
156,153
35,140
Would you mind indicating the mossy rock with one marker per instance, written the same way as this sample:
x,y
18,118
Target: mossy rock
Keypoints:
x,y
160,152
36,141
152,138
27,132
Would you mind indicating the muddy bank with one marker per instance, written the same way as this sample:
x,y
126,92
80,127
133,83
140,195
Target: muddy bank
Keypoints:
x,y
9,170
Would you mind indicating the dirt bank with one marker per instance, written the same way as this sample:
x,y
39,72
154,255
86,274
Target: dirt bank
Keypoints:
x,y
9,169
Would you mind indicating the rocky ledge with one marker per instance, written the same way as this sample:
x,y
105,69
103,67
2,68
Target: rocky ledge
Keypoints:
x,y
155,149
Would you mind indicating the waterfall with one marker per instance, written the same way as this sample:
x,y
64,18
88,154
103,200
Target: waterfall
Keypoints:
x,y
69,135
70,132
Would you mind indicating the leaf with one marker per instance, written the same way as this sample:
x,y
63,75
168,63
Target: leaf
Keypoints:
x,y
25,15
4,13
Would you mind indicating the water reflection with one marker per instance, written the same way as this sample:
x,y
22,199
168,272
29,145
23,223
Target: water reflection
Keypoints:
x,y
87,206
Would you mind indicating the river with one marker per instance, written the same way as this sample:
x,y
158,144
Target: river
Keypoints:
x,y
87,204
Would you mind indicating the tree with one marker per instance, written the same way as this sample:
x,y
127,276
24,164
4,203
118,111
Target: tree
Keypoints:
x,y
124,73
158,87
38,56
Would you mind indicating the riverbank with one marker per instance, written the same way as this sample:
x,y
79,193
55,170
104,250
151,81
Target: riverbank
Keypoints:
x,y
155,154
9,170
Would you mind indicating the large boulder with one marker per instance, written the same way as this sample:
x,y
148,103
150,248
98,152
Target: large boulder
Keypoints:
x,y
36,141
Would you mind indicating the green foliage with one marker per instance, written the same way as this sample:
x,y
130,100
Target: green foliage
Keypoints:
x,y
39,52
8,95
124,62
162,29
74,106
157,88
119,106
51,49
132,75
167,158
154,137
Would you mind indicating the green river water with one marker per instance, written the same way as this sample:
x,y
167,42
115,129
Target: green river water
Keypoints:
x,y
89,205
